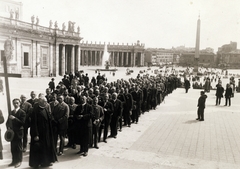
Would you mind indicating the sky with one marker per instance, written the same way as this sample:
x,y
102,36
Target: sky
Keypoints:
x,y
156,23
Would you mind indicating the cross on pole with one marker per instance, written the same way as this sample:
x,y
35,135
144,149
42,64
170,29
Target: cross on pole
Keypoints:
x,y
6,75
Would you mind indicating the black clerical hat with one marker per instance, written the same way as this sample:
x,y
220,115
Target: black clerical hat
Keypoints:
x,y
9,134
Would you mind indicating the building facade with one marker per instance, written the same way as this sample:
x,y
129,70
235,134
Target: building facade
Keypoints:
x,y
38,50
119,55
160,56
52,51
228,56
206,59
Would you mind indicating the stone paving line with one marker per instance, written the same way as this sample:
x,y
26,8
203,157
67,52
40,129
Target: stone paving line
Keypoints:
x,y
166,138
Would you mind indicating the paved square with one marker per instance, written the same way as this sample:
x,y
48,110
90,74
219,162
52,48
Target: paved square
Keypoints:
x,y
168,137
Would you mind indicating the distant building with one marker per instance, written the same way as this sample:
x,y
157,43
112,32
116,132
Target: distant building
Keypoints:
x,y
228,56
160,56
206,58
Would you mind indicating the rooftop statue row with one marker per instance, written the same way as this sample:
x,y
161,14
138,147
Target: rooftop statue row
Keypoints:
x,y
33,20
113,44
71,26
16,14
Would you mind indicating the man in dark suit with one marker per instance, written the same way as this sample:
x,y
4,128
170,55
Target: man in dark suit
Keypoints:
x,y
70,132
228,95
108,111
33,99
98,116
60,114
83,124
48,95
201,106
121,97
127,108
154,93
27,107
78,95
137,99
117,112
16,122
186,84
219,93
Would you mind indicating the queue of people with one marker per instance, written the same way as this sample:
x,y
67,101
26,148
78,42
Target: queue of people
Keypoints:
x,y
84,111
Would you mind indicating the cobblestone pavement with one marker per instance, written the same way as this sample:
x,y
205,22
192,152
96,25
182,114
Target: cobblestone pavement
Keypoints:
x,y
166,138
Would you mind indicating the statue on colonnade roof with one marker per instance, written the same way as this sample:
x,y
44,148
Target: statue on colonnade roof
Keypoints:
x,y
33,19
50,24
11,14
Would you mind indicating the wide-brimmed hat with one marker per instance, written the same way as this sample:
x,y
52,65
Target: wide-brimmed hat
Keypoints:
x,y
9,134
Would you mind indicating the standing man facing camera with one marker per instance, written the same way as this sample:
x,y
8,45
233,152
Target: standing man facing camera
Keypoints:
x,y
201,106
16,122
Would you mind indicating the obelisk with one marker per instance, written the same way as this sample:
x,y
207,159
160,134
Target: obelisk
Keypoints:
x,y
196,58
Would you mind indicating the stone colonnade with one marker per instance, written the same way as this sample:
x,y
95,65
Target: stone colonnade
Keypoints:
x,y
126,59
91,57
119,59
69,58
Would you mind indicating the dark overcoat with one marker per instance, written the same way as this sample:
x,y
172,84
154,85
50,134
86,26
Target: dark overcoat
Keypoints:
x,y
83,125
42,151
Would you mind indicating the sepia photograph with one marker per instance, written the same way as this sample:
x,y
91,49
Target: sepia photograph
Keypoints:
x,y
120,84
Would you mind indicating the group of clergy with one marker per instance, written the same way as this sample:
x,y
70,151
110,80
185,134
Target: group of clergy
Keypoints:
x,y
81,110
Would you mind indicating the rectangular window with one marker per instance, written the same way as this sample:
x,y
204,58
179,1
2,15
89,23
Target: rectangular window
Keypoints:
x,y
44,60
25,59
44,57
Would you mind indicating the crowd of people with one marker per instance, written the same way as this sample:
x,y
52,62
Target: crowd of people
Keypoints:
x,y
87,111
229,90
82,111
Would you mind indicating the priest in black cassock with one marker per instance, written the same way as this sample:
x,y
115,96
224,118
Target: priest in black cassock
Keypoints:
x,y
42,148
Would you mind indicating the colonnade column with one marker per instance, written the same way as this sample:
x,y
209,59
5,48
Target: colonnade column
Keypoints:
x,y
56,60
86,57
78,58
122,59
63,60
83,57
134,59
95,56
126,59
131,59
101,58
50,59
89,57
112,59
142,58
72,58
38,59
117,58
34,59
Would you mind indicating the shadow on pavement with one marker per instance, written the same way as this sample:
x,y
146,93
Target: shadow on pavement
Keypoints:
x,y
191,121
